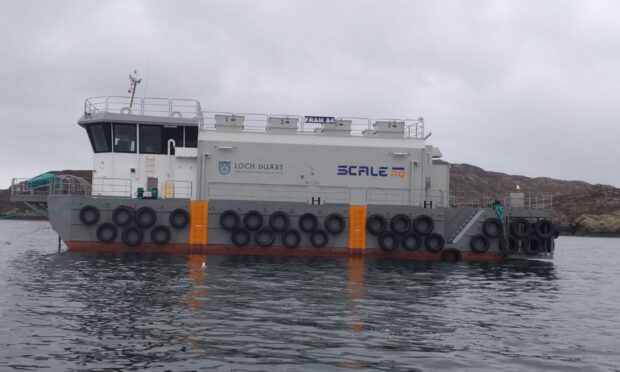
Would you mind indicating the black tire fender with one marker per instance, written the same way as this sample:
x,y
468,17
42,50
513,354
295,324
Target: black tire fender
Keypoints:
x,y
229,220
179,218
376,224
279,221
308,222
452,255
291,238
106,232
492,227
335,223
253,220
533,246
132,236
388,241
544,229
160,235
265,237
89,215
411,241
400,223
509,245
423,224
123,215
520,228
434,242
479,243
319,238
240,236
145,217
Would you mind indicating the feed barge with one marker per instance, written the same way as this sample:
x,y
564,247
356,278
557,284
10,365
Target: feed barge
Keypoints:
x,y
170,177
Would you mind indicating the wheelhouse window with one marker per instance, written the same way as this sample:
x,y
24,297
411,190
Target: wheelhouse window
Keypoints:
x,y
154,138
100,136
191,137
125,138
150,139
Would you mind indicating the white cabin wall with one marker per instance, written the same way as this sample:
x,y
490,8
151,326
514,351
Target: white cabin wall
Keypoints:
x,y
112,175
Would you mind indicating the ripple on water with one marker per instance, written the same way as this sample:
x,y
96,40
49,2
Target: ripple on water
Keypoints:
x,y
64,311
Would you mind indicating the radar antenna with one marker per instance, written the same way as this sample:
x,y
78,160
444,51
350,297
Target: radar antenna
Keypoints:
x,y
135,79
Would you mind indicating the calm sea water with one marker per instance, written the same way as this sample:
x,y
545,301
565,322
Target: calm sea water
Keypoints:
x,y
66,311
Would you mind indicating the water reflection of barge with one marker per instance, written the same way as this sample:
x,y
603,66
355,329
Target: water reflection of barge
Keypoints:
x,y
169,177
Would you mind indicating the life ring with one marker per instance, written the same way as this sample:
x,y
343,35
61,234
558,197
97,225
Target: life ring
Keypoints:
x,y
253,220
533,246
279,221
376,224
308,222
411,241
291,238
388,241
89,215
123,215
335,223
434,242
319,238
132,236
160,235
240,236
145,217
492,227
423,224
229,220
265,237
520,228
544,229
106,232
479,243
452,255
179,218
400,223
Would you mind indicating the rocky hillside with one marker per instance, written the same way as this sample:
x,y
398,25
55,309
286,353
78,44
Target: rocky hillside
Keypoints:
x,y
581,208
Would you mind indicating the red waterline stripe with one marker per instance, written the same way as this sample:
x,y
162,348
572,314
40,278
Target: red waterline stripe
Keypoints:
x,y
223,249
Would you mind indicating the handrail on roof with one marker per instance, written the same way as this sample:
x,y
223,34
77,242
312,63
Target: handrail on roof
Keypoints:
x,y
150,106
255,122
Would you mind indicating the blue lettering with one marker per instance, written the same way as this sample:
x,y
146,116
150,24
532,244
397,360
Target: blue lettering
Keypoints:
x,y
342,170
383,171
372,172
351,172
362,170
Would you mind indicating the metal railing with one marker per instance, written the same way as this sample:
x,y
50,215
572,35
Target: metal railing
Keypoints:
x,y
22,191
152,106
118,187
257,123
177,189
515,200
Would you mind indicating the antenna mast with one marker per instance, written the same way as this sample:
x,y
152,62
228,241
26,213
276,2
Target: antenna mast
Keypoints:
x,y
135,79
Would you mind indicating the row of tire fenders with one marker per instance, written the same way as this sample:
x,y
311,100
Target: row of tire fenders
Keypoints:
x,y
132,224
280,222
399,231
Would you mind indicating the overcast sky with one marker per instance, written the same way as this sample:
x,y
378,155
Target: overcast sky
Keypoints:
x,y
520,87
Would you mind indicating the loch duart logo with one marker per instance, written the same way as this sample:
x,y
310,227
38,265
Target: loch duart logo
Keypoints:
x,y
226,167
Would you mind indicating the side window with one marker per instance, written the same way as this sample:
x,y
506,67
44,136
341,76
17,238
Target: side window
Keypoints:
x,y
191,136
100,137
125,138
150,139
172,133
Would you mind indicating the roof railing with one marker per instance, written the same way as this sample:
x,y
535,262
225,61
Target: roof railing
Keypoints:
x,y
150,106
257,123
